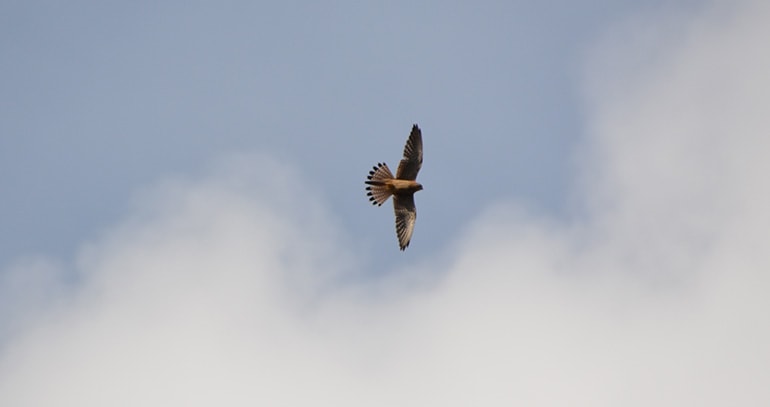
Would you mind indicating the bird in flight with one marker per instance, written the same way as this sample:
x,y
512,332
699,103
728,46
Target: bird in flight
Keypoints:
x,y
382,184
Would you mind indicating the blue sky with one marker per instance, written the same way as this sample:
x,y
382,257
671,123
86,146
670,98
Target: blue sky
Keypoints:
x,y
100,101
185,221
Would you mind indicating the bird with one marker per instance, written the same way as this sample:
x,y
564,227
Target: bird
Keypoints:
x,y
382,185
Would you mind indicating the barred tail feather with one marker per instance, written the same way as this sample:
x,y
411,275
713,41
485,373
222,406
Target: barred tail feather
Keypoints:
x,y
378,192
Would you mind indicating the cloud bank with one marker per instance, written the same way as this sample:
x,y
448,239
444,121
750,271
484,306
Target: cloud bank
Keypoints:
x,y
232,289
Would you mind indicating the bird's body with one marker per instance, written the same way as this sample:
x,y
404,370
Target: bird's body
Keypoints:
x,y
400,186
382,185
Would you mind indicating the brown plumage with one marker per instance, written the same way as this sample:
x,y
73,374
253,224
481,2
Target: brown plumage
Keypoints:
x,y
382,185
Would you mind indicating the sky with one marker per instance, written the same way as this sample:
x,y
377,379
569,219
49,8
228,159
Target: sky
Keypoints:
x,y
184,220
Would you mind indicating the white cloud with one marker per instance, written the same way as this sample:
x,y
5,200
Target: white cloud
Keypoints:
x,y
230,290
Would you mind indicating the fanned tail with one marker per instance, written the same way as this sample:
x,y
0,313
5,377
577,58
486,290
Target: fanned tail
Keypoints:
x,y
378,191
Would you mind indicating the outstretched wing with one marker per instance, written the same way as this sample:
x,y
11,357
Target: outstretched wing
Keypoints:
x,y
412,161
406,215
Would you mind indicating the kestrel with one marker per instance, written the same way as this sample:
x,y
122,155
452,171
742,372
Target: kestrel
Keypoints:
x,y
382,184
